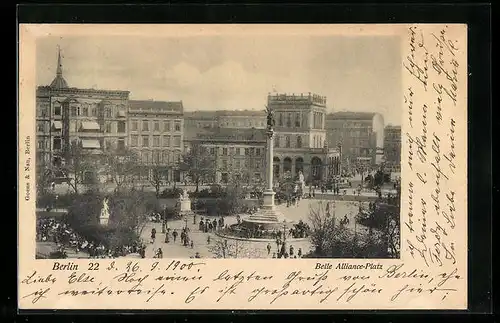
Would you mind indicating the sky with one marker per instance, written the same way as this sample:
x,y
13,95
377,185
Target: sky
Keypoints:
x,y
357,73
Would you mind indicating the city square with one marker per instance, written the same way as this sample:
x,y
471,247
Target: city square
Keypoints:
x,y
122,177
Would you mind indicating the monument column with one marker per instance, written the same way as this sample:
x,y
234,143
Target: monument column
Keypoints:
x,y
269,193
270,158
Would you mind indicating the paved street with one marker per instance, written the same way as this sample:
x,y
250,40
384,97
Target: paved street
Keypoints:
x,y
248,249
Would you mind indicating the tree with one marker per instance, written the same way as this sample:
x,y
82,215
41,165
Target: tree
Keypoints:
x,y
121,166
131,210
198,164
158,175
334,240
80,167
323,227
224,249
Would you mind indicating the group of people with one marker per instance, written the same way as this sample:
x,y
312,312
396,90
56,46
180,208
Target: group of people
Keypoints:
x,y
206,225
60,233
283,252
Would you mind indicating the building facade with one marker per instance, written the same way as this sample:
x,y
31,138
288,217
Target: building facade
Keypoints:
x,y
300,138
236,119
66,117
230,154
361,136
156,135
392,148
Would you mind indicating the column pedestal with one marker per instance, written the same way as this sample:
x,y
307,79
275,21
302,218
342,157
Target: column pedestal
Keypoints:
x,y
268,217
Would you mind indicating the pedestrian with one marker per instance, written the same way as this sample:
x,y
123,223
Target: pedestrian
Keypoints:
x,y
192,244
197,255
153,235
159,253
299,253
291,251
167,239
174,234
274,255
208,240
268,249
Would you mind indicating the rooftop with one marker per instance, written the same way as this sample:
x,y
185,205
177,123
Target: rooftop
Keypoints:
x,y
346,115
227,134
223,113
160,106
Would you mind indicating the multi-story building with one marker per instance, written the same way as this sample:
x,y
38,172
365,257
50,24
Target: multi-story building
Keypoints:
x,y
237,119
230,154
300,138
156,134
392,148
200,120
242,119
361,136
94,120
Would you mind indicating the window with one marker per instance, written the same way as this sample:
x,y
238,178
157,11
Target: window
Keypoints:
x,y
224,163
145,125
145,141
166,126
258,164
177,126
73,111
232,150
280,123
145,156
287,141
247,152
41,144
107,127
57,110
277,141
212,151
156,156
94,111
121,144
134,140
224,151
121,126
289,120
156,126
252,151
257,151
297,120
156,141
166,141
242,151
40,126
237,163
57,143
165,157
299,142
108,112
177,141
134,125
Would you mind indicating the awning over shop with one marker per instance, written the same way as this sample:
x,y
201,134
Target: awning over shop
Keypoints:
x,y
91,144
57,125
90,125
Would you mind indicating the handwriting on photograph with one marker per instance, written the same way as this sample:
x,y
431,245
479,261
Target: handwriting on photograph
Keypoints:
x,y
189,282
430,137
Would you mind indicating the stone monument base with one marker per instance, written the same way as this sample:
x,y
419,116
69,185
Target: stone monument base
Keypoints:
x,y
268,217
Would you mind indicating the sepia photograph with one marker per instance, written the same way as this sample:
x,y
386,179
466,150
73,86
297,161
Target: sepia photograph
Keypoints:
x,y
221,146
171,166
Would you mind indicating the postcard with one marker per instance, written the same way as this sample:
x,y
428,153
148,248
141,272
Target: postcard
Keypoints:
x,y
242,167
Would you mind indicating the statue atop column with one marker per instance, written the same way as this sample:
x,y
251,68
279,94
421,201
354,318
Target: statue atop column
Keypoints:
x,y
270,118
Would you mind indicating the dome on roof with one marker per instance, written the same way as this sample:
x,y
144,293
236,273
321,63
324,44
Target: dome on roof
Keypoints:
x,y
59,83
